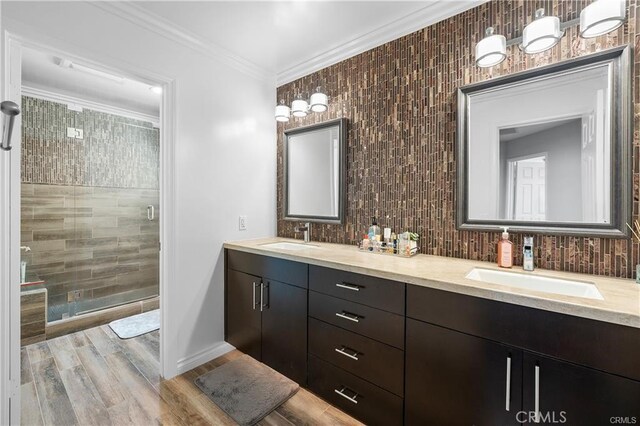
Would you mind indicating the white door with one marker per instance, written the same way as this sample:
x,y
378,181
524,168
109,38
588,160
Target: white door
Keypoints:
x,y
10,250
530,189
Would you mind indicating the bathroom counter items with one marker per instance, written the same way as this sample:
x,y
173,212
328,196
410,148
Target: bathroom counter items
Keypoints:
x,y
620,304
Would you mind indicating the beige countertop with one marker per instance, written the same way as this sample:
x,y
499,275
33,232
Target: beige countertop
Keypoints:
x,y
621,304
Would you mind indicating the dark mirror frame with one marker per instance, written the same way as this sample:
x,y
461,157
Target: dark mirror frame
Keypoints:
x,y
621,150
342,132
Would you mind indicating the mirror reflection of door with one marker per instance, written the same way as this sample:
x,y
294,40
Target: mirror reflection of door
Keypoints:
x,y
529,188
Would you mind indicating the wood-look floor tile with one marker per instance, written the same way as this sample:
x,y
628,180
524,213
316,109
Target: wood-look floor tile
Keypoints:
x,y
274,419
39,352
333,416
63,352
137,385
303,408
29,405
54,401
109,332
101,375
84,397
191,405
129,412
103,343
25,367
141,358
79,339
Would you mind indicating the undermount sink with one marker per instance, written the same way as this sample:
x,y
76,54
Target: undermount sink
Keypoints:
x,y
283,245
536,283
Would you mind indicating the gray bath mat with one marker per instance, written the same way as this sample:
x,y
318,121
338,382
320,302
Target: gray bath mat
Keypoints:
x,y
246,389
136,325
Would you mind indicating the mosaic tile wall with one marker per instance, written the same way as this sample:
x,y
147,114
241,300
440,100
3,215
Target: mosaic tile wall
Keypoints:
x,y
115,152
400,100
84,206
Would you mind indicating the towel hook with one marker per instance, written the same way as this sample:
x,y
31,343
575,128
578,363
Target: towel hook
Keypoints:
x,y
10,110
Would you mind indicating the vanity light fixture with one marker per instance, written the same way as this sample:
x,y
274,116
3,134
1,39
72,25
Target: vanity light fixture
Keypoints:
x,y
282,112
300,107
601,17
491,50
541,34
598,18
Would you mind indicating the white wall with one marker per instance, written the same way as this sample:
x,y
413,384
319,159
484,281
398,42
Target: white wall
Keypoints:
x,y
225,152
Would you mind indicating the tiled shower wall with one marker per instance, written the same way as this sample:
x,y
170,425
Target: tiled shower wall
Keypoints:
x,y
400,100
84,203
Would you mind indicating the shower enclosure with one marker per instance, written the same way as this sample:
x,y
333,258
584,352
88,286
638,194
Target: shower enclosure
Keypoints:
x,y
90,208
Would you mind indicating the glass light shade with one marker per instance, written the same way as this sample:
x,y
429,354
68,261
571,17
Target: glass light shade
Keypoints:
x,y
541,34
491,50
601,17
282,113
299,108
319,102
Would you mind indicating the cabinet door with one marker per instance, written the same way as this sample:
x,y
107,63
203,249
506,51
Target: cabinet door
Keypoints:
x,y
456,379
576,395
284,329
243,312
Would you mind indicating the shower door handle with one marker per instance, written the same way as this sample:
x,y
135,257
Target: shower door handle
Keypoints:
x,y
151,212
10,110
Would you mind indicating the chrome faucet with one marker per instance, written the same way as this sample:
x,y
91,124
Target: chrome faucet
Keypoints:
x,y
306,229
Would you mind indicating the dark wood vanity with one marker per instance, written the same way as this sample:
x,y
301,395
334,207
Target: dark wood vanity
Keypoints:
x,y
390,353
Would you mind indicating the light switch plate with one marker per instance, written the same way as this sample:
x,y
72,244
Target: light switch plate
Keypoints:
x,y
242,223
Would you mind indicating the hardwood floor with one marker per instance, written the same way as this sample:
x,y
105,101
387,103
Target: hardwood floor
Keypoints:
x,y
92,377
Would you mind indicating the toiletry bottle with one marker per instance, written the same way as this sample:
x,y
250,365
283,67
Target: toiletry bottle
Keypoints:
x,y
374,230
505,250
387,235
394,243
527,254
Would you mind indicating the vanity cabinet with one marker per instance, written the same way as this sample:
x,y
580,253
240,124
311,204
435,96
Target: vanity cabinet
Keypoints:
x,y
267,318
391,353
581,395
466,357
456,379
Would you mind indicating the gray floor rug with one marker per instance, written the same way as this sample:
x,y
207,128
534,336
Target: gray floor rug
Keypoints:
x,y
246,389
136,325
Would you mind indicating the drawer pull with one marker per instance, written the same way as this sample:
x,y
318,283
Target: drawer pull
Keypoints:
x,y
345,396
348,316
536,403
348,286
344,352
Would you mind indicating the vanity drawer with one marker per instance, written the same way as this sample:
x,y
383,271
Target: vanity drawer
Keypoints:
x,y
371,291
361,399
379,325
376,362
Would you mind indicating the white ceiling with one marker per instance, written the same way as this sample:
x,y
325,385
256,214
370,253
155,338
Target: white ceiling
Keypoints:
x,y
41,71
285,39
293,38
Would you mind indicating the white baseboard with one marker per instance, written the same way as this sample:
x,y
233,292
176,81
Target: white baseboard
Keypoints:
x,y
203,356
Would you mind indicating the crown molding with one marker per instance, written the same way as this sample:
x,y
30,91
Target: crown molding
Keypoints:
x,y
141,17
428,15
47,95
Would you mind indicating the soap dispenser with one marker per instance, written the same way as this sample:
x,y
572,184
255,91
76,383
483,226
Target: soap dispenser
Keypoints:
x,y
505,250
527,254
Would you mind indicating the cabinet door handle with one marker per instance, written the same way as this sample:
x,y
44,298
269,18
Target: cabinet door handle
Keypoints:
x,y
254,296
348,316
344,352
345,396
536,403
348,286
508,391
151,212
261,296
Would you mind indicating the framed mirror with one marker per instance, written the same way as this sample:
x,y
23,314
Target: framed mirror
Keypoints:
x,y
548,150
314,167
